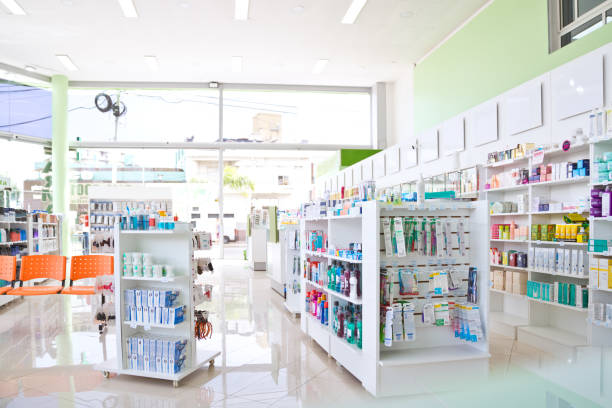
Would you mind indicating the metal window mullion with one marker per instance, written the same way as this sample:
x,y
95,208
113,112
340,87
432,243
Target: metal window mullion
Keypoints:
x,y
575,10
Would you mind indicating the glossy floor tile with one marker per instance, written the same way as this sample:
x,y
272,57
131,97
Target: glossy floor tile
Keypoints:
x,y
50,345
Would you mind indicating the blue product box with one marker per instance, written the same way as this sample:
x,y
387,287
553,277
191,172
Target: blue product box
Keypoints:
x,y
167,297
152,315
575,173
152,360
159,346
176,315
156,298
165,346
138,297
158,315
151,298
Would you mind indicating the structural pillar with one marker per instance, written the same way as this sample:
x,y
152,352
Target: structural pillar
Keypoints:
x,y
59,161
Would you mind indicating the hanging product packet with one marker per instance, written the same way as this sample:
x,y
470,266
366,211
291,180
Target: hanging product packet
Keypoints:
x,y
400,243
408,282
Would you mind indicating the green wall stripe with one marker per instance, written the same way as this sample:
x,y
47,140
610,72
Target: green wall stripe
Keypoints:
x,y
502,47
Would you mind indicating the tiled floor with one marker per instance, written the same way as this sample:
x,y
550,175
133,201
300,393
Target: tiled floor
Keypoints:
x,y
49,345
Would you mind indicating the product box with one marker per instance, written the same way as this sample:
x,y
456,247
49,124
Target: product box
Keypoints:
x,y
594,270
531,258
145,354
567,258
519,283
138,297
165,357
158,315
139,318
508,282
535,232
152,355
581,263
150,298
159,346
145,315
498,279
574,262
551,259
603,274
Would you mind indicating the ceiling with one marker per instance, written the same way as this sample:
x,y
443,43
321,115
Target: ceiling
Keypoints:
x,y
194,40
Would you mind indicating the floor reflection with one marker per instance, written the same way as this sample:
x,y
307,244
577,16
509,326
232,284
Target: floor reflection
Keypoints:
x,y
50,343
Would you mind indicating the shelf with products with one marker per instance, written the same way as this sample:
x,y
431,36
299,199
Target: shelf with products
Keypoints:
x,y
564,176
154,305
512,268
503,292
516,241
556,304
510,214
367,233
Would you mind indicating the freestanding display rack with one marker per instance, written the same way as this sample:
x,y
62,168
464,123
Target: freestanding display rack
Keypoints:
x,y
436,358
168,247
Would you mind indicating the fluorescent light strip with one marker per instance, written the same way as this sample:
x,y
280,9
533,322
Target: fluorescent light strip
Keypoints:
x,y
13,7
67,62
241,9
236,64
320,66
353,11
129,10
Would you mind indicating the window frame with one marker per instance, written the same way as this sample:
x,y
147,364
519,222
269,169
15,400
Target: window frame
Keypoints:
x,y
555,17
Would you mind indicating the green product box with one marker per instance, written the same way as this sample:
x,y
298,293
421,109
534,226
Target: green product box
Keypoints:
x,y
572,294
585,298
535,232
551,232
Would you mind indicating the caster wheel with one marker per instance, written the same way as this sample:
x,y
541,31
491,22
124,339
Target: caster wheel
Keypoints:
x,y
175,384
106,374
211,363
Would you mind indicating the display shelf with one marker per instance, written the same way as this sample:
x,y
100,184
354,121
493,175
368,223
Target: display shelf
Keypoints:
x,y
600,289
555,304
430,355
511,268
13,243
175,249
559,243
203,357
599,323
357,301
557,212
562,182
148,326
508,188
503,292
154,279
47,237
593,219
515,241
14,222
506,162
343,217
556,335
518,214
602,183
565,275
508,319
316,285
333,257
148,232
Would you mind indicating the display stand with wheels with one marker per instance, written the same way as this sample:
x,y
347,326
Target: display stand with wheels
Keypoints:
x,y
177,353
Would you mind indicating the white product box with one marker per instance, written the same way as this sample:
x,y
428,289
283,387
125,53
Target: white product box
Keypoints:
x,y
158,315
145,315
594,270
551,260
581,263
578,296
605,204
151,298
165,357
139,318
152,315
531,258
156,298
559,261
574,266
159,346
137,295
603,276
567,261
140,345
164,319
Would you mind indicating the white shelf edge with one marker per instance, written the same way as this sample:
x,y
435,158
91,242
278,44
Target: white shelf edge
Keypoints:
x,y
513,268
516,241
573,180
564,275
155,326
503,292
518,214
335,258
557,212
573,308
560,243
600,289
164,279
507,188
430,355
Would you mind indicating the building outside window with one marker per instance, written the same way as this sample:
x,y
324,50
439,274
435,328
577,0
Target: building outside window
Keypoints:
x,y
570,20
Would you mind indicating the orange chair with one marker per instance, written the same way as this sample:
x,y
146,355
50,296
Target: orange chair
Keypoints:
x,y
87,266
8,272
40,266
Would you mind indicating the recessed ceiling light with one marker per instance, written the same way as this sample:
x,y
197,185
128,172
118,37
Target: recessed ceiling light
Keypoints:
x,y
30,68
353,11
67,62
319,66
151,61
129,10
241,9
13,7
236,64
184,4
298,9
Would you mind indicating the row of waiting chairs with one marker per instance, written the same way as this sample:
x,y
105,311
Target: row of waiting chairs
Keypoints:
x,y
52,267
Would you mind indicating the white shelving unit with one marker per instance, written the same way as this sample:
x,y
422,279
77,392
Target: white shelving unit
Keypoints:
x,y
168,248
291,266
44,244
539,323
601,228
406,367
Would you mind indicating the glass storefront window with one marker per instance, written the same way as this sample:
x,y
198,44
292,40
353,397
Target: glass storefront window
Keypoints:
x,y
150,116
296,117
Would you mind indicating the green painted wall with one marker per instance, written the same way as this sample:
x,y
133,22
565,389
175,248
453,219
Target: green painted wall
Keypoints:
x,y
502,47
343,159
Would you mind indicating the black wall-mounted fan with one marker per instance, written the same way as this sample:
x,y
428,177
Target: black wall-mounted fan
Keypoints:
x,y
104,103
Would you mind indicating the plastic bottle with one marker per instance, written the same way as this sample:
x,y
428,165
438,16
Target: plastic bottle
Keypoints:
x,y
350,331
326,313
340,332
353,286
359,333
338,280
420,189
388,337
329,276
